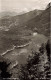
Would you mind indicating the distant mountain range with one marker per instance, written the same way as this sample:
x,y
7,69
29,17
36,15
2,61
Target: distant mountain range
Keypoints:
x,y
7,14
9,19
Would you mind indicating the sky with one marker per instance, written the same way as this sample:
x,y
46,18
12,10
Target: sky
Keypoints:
x,y
22,5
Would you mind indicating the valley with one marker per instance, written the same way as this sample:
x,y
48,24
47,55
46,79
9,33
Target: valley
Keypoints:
x,y
23,34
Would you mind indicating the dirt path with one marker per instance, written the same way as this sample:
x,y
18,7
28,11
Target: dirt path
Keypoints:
x,y
21,46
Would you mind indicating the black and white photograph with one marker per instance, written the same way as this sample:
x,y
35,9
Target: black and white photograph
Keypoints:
x,y
25,39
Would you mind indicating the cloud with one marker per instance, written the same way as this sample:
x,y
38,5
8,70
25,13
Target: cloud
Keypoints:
x,y
18,5
25,9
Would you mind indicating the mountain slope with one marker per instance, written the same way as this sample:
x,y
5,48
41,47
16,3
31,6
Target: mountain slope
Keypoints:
x,y
19,19
41,22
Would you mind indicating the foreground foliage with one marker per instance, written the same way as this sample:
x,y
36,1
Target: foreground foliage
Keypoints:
x,y
38,65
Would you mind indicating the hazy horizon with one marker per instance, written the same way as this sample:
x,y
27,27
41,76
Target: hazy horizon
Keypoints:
x,y
22,5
